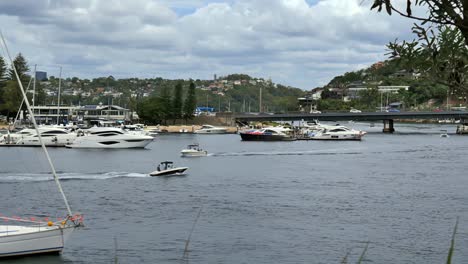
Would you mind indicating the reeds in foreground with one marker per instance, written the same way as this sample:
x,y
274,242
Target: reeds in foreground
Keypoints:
x,y
452,243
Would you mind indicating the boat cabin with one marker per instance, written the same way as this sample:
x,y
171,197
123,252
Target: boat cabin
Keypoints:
x,y
165,165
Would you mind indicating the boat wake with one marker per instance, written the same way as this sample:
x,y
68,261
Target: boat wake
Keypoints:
x,y
283,153
15,177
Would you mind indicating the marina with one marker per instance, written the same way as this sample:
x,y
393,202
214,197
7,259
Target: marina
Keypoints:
x,y
258,197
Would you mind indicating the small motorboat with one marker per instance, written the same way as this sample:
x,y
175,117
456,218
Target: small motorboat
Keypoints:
x,y
193,150
167,168
444,134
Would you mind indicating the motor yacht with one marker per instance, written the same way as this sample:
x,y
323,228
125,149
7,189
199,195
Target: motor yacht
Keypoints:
x,y
193,150
209,129
109,138
267,134
337,133
52,136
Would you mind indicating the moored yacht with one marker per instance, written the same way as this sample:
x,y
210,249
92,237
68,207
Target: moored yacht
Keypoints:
x,y
337,133
107,137
267,134
51,136
209,129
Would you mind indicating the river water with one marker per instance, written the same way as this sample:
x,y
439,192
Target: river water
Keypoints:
x,y
259,202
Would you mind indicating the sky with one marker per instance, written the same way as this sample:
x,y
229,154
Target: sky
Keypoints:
x,y
299,43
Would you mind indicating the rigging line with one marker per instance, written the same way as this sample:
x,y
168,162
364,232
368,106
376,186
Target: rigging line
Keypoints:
x,y
33,119
21,105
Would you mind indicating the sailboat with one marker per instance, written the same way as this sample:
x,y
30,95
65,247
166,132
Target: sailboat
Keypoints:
x,y
29,237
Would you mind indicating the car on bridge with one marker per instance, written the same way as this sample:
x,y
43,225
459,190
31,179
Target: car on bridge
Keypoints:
x,y
355,111
392,110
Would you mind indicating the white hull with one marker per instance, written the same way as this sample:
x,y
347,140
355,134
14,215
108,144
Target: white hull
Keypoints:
x,y
21,240
208,129
104,144
211,131
193,153
336,137
109,138
168,172
56,141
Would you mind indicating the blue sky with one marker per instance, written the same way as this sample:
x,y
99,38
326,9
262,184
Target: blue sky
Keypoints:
x,y
294,42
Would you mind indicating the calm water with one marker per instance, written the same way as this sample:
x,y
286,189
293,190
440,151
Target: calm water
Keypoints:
x,y
262,202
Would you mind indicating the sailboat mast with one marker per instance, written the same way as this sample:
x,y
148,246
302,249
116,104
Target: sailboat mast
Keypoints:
x,y
34,86
58,103
33,119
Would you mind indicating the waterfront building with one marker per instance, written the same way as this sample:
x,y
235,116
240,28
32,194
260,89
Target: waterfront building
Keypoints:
x,y
51,114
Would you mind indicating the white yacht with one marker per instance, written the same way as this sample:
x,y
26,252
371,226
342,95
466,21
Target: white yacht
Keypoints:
x,y
337,133
209,129
107,137
52,136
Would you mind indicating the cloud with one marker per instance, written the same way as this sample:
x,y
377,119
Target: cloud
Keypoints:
x,y
295,42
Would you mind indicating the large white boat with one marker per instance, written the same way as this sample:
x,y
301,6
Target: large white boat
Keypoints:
x,y
25,237
336,133
108,137
51,136
209,129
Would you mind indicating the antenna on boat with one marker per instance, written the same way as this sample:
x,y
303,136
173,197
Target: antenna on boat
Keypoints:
x,y
28,106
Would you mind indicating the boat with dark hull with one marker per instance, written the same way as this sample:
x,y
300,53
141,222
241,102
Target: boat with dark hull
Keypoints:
x,y
266,134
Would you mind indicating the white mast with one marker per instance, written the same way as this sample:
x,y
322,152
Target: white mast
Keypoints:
x,y
33,119
34,86
58,103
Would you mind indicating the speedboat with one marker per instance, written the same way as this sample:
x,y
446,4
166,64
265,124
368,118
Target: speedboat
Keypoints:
x,y
209,129
52,136
444,134
167,168
108,137
337,133
267,134
193,150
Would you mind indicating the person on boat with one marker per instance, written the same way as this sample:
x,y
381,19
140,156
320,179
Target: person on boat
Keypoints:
x,y
159,167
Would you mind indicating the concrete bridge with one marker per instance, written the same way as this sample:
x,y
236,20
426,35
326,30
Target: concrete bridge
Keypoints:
x,y
387,117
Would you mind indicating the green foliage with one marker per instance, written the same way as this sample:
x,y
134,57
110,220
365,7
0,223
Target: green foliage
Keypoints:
x,y
3,81
11,93
21,68
177,101
233,77
440,57
452,243
12,96
440,12
190,102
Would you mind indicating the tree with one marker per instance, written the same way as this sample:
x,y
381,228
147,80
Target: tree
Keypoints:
x,y
3,80
11,93
177,101
441,12
190,102
21,68
440,56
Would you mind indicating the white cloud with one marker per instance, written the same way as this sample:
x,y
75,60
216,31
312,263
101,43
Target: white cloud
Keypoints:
x,y
291,41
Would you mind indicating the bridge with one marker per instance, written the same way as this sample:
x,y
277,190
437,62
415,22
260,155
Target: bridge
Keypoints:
x,y
387,117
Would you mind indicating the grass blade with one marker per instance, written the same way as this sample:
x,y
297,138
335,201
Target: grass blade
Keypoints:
x,y
452,243
361,258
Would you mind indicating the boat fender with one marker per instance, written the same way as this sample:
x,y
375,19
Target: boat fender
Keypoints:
x,y
50,223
